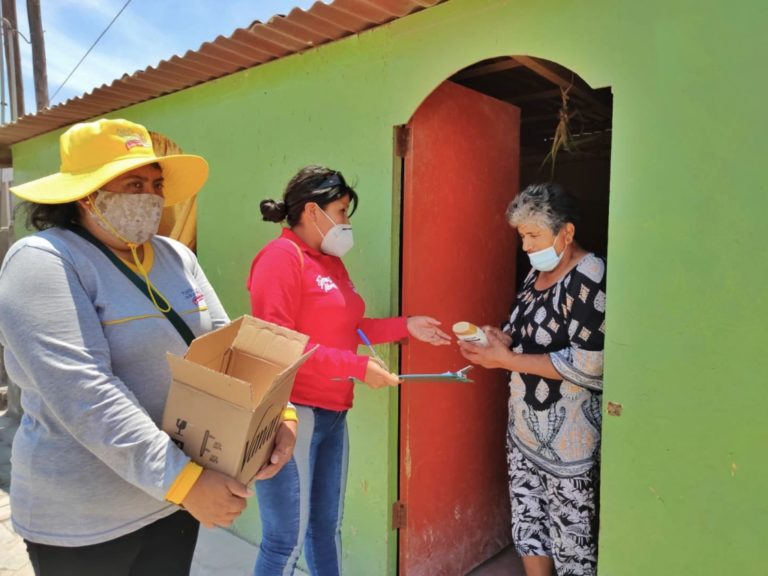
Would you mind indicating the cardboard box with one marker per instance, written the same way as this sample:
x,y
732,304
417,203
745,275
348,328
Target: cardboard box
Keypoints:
x,y
228,393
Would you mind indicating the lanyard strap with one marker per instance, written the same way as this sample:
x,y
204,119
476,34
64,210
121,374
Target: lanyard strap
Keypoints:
x,y
173,317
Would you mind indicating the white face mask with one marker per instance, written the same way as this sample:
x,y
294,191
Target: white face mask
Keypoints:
x,y
339,239
547,259
134,218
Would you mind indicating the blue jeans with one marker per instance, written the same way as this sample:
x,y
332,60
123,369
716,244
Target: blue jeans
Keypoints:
x,y
305,501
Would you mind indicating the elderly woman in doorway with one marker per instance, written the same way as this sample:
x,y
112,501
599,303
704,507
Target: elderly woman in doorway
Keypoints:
x,y
298,280
553,347
89,306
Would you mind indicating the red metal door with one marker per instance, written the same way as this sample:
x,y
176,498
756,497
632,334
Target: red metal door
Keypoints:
x,y
461,171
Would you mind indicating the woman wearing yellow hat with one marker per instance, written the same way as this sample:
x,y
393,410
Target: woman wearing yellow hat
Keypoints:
x,y
89,306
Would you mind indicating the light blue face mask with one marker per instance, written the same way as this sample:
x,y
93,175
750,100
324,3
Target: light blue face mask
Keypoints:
x,y
546,260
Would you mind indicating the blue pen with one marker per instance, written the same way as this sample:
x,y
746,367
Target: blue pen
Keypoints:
x,y
367,342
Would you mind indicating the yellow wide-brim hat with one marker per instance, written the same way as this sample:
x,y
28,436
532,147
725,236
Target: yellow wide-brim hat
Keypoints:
x,y
95,153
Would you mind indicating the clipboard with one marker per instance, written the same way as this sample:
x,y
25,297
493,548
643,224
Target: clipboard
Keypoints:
x,y
457,376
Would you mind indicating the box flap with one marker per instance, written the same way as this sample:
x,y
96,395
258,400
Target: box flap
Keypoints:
x,y
249,368
270,342
210,381
209,349
287,374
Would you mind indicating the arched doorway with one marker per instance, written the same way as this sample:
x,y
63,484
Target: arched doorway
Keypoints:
x,y
470,146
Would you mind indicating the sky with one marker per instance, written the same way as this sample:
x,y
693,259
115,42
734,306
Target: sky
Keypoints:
x,y
145,33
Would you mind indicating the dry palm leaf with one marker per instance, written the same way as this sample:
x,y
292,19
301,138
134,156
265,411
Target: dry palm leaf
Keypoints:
x,y
563,138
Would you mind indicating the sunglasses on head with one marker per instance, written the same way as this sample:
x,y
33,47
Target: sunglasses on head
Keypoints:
x,y
333,181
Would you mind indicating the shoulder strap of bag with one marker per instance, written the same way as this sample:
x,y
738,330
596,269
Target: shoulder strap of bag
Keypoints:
x,y
181,326
301,254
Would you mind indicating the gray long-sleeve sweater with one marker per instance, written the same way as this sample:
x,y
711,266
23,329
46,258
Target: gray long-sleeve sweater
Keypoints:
x,y
89,462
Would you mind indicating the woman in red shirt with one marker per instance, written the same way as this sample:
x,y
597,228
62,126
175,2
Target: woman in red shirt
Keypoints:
x,y
299,281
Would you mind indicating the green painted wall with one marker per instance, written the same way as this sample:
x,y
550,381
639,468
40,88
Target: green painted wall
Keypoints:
x,y
683,466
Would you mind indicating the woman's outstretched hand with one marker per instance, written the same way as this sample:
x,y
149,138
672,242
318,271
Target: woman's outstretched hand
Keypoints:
x,y
426,329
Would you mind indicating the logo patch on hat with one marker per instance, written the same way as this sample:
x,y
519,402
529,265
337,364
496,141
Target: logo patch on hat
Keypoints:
x,y
136,141
133,140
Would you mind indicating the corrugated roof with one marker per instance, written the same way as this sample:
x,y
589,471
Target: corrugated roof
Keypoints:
x,y
245,48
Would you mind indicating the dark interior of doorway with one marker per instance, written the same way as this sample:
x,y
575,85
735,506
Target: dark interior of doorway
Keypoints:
x,y
535,86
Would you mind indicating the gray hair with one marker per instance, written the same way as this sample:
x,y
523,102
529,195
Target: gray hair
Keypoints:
x,y
548,205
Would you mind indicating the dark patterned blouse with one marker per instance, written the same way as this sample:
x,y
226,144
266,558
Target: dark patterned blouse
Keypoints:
x,y
556,423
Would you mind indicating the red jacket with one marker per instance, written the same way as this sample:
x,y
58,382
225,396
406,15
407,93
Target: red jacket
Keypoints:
x,y
313,294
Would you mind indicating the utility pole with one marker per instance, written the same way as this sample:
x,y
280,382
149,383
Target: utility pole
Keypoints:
x,y
13,58
2,68
38,53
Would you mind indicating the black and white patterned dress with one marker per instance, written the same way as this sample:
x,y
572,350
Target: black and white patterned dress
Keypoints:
x,y
554,425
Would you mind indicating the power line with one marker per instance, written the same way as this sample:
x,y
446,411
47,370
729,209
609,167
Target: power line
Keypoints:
x,y
12,29
91,48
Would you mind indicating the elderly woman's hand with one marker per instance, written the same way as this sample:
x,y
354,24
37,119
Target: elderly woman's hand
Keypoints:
x,y
495,355
426,329
494,333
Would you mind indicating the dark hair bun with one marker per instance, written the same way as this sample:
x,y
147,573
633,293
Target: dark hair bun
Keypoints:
x,y
272,211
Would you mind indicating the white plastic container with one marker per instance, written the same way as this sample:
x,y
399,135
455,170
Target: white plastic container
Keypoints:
x,y
468,332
